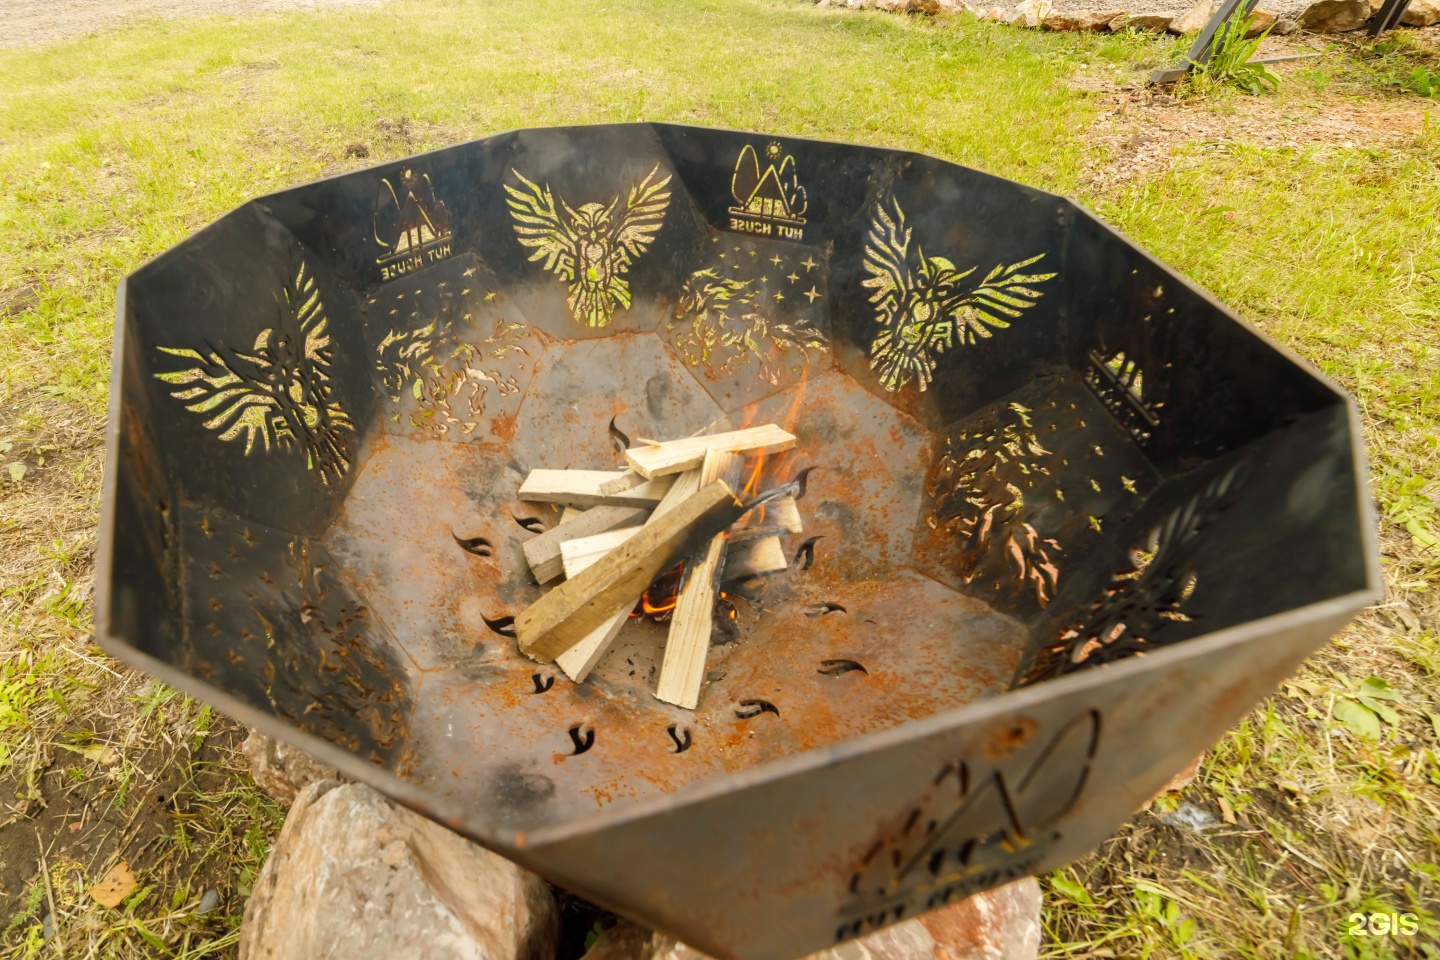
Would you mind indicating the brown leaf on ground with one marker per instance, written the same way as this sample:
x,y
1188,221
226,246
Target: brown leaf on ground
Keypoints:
x,y
115,886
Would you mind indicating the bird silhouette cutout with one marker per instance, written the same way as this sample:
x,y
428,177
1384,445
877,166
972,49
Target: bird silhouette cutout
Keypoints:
x,y
923,310
593,246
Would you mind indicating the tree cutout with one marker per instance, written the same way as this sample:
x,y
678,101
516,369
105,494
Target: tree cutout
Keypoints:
x,y
280,392
924,310
590,248
975,491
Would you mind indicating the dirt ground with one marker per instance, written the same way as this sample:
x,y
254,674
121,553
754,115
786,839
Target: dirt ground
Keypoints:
x,y
25,23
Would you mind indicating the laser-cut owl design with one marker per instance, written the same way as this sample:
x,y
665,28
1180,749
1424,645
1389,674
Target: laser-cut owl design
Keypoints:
x,y
280,391
593,246
924,309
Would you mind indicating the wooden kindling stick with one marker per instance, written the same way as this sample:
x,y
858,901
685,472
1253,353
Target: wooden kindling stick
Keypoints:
x,y
570,612
683,669
579,660
677,456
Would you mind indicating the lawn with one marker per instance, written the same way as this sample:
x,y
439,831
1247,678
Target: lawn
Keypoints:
x,y
115,146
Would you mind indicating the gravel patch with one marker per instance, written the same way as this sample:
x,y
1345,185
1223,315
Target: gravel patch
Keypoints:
x,y
30,23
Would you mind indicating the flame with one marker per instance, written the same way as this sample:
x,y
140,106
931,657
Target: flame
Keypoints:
x,y
665,606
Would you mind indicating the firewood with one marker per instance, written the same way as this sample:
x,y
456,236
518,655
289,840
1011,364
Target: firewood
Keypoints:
x,y
780,516
753,558
683,669
543,552
581,488
579,553
626,481
579,660
677,456
564,616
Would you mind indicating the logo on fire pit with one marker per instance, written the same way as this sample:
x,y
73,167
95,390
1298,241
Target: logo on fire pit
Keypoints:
x,y
411,225
769,202
924,310
590,248
971,831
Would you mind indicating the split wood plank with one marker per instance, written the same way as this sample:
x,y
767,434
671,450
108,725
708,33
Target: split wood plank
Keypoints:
x,y
677,456
543,552
579,660
567,614
683,670
626,481
570,513
581,488
754,559
579,553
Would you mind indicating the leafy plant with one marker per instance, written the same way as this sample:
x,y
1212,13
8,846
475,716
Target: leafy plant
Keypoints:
x,y
1230,62
1422,81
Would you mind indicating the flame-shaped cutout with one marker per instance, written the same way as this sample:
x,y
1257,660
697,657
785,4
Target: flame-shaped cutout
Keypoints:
x,y
681,745
478,546
805,556
505,626
622,442
834,668
801,480
582,743
542,684
820,609
533,524
753,708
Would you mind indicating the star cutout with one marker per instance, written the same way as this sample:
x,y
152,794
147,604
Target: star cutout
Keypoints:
x,y
813,294
752,253
764,279
490,295
469,273
809,264
779,295
775,259
793,277
722,256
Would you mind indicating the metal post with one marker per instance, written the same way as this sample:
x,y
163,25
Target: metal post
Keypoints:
x,y
1388,17
1199,51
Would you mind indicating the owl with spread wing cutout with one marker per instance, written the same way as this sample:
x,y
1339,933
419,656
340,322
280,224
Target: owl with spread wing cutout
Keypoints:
x,y
923,310
591,247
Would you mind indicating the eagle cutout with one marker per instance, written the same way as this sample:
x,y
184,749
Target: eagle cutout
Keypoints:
x,y
592,247
924,309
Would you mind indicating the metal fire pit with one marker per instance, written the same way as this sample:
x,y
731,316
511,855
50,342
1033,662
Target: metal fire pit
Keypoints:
x,y
1069,517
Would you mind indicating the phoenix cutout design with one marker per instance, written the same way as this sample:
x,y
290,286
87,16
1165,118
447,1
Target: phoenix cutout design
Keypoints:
x,y
724,342
280,392
923,310
591,247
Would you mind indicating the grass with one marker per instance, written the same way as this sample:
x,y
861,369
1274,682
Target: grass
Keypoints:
x,y
115,146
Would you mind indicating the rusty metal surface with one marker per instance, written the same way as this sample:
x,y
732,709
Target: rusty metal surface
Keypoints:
x,y
1066,518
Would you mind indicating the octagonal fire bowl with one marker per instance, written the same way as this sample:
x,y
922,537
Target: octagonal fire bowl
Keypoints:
x,y
1068,520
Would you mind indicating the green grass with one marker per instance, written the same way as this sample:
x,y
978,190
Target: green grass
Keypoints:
x,y
114,147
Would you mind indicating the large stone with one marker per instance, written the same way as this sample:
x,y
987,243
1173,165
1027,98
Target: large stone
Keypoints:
x,y
1193,20
1082,21
355,877
1149,22
1260,21
280,770
1029,13
1421,13
1335,16
1001,924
